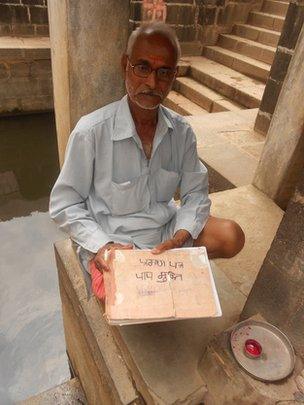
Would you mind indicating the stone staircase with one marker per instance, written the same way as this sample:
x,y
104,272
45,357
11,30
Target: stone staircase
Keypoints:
x,y
231,75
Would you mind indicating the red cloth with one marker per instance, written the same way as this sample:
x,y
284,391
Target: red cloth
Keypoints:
x,y
98,286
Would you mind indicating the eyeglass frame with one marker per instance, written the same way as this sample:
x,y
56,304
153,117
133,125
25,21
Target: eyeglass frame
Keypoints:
x,y
152,70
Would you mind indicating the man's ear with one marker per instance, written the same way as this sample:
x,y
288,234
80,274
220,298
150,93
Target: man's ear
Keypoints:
x,y
124,61
176,72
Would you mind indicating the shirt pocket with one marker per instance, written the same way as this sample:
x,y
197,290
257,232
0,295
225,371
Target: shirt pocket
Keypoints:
x,y
166,184
130,196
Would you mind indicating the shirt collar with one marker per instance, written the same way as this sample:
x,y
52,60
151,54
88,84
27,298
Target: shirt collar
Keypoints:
x,y
124,125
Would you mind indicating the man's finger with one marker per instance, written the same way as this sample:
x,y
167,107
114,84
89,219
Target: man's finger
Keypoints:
x,y
162,247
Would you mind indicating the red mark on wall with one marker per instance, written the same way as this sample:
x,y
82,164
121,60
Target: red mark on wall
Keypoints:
x,y
154,10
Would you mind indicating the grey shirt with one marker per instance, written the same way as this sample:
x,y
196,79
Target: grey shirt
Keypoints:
x,y
108,191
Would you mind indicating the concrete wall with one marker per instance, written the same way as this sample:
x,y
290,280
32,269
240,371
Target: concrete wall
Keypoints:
x,y
293,23
281,161
25,77
87,41
23,18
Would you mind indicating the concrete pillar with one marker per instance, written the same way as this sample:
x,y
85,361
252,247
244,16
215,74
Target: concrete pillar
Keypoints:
x,y
286,47
282,157
277,293
87,41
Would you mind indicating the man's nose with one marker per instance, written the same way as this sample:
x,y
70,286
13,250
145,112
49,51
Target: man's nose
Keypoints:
x,y
151,79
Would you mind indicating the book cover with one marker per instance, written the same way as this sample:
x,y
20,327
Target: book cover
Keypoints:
x,y
177,284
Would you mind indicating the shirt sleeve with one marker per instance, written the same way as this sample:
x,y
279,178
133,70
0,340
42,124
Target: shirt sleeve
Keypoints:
x,y
195,203
68,198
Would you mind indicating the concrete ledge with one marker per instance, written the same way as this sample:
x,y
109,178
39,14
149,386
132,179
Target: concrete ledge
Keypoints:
x,y
69,392
156,361
259,217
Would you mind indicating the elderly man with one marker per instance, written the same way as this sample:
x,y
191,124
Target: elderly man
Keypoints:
x,y
125,161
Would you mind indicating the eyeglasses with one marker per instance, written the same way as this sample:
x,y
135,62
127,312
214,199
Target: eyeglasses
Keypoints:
x,y
144,70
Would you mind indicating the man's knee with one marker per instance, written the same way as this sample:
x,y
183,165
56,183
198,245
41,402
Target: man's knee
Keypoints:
x,y
233,238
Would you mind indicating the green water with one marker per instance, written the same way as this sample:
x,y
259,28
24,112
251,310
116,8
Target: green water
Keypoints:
x,y
28,150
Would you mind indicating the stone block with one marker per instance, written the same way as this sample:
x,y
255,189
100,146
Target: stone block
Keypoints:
x,y
262,123
5,29
9,1
38,15
293,23
173,11
210,15
270,96
280,66
5,14
186,15
185,34
135,11
23,29
19,14
41,68
3,71
220,3
19,69
42,30
180,1
33,2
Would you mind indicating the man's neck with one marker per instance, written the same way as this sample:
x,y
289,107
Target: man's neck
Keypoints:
x,y
143,117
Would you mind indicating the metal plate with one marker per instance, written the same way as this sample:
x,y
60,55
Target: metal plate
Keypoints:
x,y
277,359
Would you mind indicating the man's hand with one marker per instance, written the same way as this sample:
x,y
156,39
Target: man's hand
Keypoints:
x,y
176,242
101,261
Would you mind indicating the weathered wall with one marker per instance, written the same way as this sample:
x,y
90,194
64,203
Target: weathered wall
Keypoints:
x,y
85,64
281,161
199,20
277,293
23,17
25,77
293,23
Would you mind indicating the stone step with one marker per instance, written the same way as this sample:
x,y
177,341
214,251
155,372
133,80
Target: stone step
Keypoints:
x,y
182,68
206,98
255,50
266,20
227,141
182,105
258,34
240,63
275,7
226,81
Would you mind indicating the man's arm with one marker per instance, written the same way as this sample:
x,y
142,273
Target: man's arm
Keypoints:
x,y
195,203
68,197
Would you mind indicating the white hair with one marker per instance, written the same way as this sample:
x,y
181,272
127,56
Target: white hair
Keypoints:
x,y
152,28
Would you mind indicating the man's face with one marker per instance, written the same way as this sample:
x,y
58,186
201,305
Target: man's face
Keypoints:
x,y
156,52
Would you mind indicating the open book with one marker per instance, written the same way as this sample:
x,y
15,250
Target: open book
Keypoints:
x,y
177,284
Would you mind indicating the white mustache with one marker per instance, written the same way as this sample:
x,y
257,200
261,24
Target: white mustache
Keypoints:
x,y
151,93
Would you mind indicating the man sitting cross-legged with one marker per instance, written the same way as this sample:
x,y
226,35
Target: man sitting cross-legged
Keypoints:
x,y
125,161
